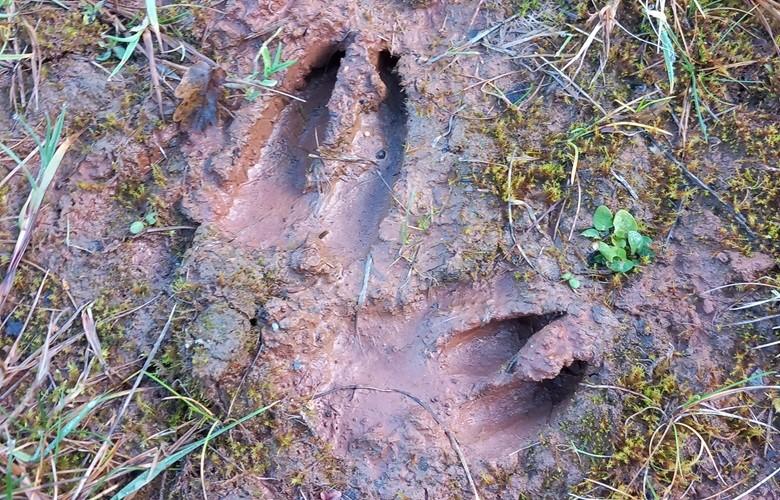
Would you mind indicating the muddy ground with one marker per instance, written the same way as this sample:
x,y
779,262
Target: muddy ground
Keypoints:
x,y
377,244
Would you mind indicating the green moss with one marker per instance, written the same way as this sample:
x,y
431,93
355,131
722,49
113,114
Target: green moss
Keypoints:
x,y
60,32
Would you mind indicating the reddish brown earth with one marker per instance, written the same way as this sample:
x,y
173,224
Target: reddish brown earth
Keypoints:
x,y
402,341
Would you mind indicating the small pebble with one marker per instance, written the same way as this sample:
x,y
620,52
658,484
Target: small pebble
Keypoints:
x,y
381,154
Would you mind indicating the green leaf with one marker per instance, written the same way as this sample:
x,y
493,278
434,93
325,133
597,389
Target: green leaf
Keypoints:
x,y
151,218
669,55
137,226
635,241
104,56
618,242
574,283
591,233
602,218
621,265
119,51
624,222
267,62
132,43
277,55
611,253
645,250
566,276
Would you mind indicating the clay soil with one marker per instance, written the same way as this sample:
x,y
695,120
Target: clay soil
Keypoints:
x,y
376,245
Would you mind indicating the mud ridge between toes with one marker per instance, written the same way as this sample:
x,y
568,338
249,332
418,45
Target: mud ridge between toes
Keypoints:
x,y
393,127
360,204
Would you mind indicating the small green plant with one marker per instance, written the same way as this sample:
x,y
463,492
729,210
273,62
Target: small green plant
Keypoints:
x,y
271,65
617,240
572,280
150,219
50,152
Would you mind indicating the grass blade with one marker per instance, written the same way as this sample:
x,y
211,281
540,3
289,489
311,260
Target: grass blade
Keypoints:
x,y
154,22
14,57
148,476
669,55
132,43
51,156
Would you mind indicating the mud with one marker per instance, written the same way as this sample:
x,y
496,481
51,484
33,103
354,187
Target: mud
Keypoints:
x,y
347,256
349,197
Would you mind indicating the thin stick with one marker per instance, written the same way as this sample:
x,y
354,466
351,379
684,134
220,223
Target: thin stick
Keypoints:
x,y
141,374
577,213
149,47
739,218
450,436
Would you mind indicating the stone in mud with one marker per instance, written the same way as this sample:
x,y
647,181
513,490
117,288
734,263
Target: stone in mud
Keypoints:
x,y
217,346
310,259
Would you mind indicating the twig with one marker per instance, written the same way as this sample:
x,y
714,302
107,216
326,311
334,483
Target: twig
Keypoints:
x,y
622,180
141,374
476,13
476,38
149,47
695,180
366,275
450,436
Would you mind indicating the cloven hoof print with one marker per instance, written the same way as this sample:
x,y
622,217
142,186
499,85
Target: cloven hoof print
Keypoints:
x,y
390,250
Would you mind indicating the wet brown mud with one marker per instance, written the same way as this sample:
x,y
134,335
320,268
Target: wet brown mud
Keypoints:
x,y
331,192
353,257
439,355
391,322
273,197
287,192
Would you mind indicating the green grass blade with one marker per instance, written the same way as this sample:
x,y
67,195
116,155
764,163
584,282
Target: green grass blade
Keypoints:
x,y
151,13
14,57
148,476
132,43
697,105
9,475
76,420
694,400
5,149
51,156
669,55
200,410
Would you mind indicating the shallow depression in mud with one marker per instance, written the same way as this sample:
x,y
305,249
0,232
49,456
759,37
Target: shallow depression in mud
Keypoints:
x,y
330,163
504,419
273,199
462,370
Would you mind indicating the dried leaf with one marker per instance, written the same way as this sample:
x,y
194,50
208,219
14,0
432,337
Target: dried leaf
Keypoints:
x,y
90,330
199,91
